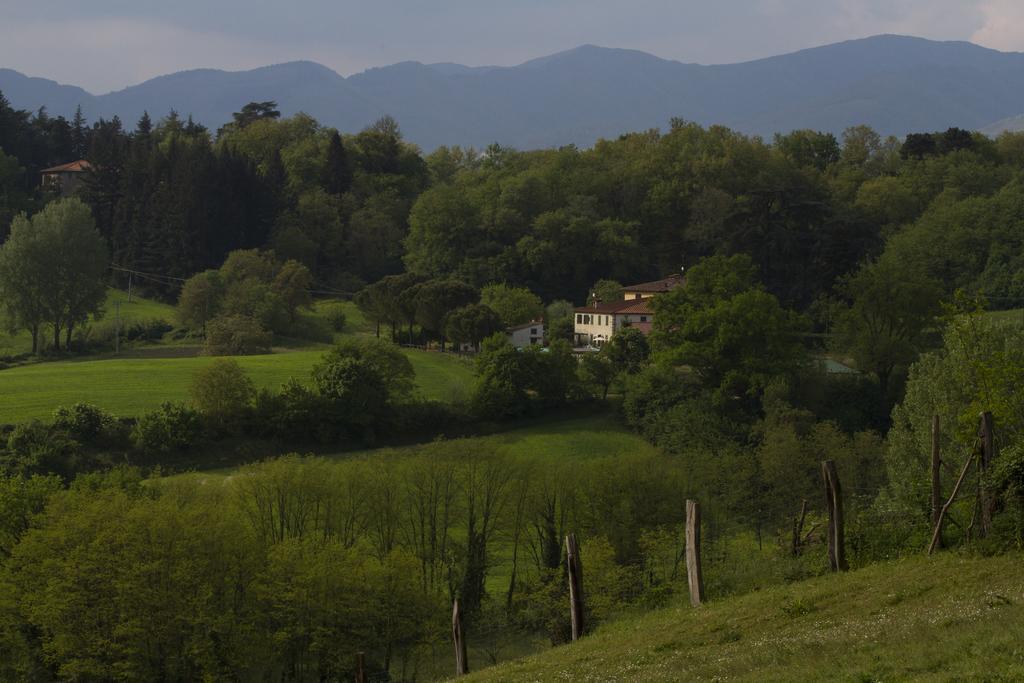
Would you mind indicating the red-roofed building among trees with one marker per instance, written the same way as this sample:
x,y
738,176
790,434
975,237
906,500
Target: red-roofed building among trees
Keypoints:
x,y
597,323
66,178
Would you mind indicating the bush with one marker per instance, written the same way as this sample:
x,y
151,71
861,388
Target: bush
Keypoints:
x,y
312,328
84,422
36,448
146,330
222,390
236,335
335,316
171,427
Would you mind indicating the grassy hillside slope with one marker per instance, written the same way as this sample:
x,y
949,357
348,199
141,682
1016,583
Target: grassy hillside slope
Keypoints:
x,y
139,310
944,618
130,386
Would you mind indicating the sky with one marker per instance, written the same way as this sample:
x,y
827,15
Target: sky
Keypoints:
x,y
105,45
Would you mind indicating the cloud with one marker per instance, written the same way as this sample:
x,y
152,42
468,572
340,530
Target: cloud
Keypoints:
x,y
1004,25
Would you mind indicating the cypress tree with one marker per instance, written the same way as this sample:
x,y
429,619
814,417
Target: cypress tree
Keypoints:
x,y
338,176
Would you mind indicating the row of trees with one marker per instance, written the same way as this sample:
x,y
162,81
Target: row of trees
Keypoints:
x,y
53,272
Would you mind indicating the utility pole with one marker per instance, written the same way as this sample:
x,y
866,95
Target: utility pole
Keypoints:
x,y
131,274
117,326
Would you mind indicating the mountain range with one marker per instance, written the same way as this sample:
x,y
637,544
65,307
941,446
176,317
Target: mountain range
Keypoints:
x,y
896,84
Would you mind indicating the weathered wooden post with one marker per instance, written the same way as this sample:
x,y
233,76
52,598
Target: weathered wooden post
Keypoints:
x,y
798,527
575,568
988,453
937,531
360,667
459,640
936,475
834,503
694,574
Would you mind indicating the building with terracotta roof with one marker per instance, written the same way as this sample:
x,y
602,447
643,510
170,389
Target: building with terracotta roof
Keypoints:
x,y
66,178
646,290
596,324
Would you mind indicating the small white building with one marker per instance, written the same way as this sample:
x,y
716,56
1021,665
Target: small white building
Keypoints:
x,y
527,334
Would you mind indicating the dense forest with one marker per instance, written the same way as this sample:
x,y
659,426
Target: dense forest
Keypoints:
x,y
174,198
889,255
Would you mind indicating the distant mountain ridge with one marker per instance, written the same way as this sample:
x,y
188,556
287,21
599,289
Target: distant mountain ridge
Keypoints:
x,y
895,84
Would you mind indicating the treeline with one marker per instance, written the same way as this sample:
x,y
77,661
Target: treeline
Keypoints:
x,y
173,198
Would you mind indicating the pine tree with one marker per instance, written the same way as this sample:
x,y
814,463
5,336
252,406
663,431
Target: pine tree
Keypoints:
x,y
79,135
338,174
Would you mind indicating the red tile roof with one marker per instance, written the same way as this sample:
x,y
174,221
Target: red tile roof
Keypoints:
x,y
73,167
662,285
617,307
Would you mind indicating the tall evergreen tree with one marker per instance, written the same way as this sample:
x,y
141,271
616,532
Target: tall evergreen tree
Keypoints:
x,y
338,174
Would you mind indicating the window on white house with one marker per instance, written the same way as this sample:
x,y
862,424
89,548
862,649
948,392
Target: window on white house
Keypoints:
x,y
579,318
533,330
643,318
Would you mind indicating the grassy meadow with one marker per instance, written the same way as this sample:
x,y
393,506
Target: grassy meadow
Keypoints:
x,y
129,386
144,376
944,618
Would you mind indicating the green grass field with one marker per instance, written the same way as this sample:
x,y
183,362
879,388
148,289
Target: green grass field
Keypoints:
x,y
130,386
924,619
1013,316
138,310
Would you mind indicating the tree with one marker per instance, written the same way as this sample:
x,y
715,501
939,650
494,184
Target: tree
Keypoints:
x,y
338,174
605,291
435,299
236,335
558,321
292,283
514,305
628,350
200,299
598,370
222,390
392,367
891,306
52,270
255,111
472,324
727,329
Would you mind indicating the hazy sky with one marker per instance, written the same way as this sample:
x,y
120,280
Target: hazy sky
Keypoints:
x,y
108,44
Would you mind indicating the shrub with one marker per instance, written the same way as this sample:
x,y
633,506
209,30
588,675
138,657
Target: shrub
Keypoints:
x,y
222,390
313,328
36,448
83,422
146,330
171,427
335,316
236,335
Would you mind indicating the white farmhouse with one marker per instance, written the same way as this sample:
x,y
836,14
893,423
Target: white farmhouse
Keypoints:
x,y
527,334
596,324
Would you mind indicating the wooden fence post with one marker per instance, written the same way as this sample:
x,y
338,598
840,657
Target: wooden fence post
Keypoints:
x,y
360,667
798,528
988,453
575,568
834,503
937,532
459,639
936,475
694,575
